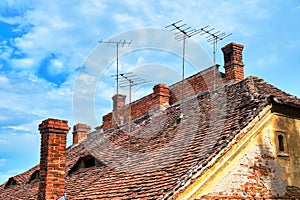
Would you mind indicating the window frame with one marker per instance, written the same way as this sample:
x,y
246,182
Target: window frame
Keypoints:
x,y
282,143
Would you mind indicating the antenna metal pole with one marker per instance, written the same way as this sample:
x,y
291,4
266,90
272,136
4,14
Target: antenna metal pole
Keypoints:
x,y
213,37
129,79
181,34
183,57
117,43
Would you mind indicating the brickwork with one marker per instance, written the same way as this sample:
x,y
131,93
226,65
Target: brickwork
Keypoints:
x,y
80,131
118,101
173,160
155,101
233,62
53,158
141,106
204,80
163,95
257,174
201,81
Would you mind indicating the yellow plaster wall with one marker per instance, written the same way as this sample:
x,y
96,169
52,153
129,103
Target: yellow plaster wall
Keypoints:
x,y
256,152
289,127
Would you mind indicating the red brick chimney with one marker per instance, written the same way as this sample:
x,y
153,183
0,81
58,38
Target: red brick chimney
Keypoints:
x,y
80,131
118,101
233,62
53,158
161,96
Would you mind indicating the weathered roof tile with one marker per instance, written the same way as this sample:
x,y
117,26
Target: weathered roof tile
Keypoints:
x,y
162,152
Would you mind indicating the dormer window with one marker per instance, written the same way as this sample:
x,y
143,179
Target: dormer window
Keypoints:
x,y
86,162
89,162
10,182
35,176
282,146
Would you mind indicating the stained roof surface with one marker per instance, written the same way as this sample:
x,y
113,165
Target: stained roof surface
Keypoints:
x,y
163,151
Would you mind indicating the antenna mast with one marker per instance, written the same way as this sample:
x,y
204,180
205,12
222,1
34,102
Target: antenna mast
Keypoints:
x,y
213,37
117,43
129,80
182,33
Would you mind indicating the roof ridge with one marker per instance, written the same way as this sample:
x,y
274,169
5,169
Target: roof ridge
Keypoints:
x,y
274,94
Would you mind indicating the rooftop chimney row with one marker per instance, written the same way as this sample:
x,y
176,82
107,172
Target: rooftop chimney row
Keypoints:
x,y
162,95
158,100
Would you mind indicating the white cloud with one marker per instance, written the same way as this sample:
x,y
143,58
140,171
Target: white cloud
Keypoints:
x,y
2,118
86,79
4,80
17,128
24,63
5,50
4,176
2,161
19,144
59,33
3,141
71,29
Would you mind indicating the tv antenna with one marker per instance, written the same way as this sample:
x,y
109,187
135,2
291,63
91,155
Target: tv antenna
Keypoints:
x,y
213,37
182,32
120,43
129,80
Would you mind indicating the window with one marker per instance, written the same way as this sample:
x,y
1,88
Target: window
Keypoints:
x,y
35,176
282,146
89,162
10,182
280,143
85,162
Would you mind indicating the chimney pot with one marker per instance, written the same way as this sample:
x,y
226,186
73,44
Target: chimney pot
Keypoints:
x,y
233,61
80,131
161,97
118,101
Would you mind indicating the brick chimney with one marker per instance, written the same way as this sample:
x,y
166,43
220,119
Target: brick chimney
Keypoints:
x,y
161,96
118,101
80,131
233,62
53,158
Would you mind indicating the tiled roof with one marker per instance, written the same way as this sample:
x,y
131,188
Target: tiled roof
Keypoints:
x,y
23,188
163,151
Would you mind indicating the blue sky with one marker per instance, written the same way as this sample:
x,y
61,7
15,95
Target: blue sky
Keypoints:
x,y
44,44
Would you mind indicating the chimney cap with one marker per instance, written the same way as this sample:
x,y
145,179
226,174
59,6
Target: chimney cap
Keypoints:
x,y
81,126
160,85
232,45
55,124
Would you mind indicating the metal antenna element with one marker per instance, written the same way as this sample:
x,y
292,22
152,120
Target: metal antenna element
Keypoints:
x,y
182,32
129,80
213,37
121,43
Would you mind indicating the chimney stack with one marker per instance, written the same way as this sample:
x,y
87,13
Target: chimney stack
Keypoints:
x,y
80,131
53,158
118,101
161,96
233,62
